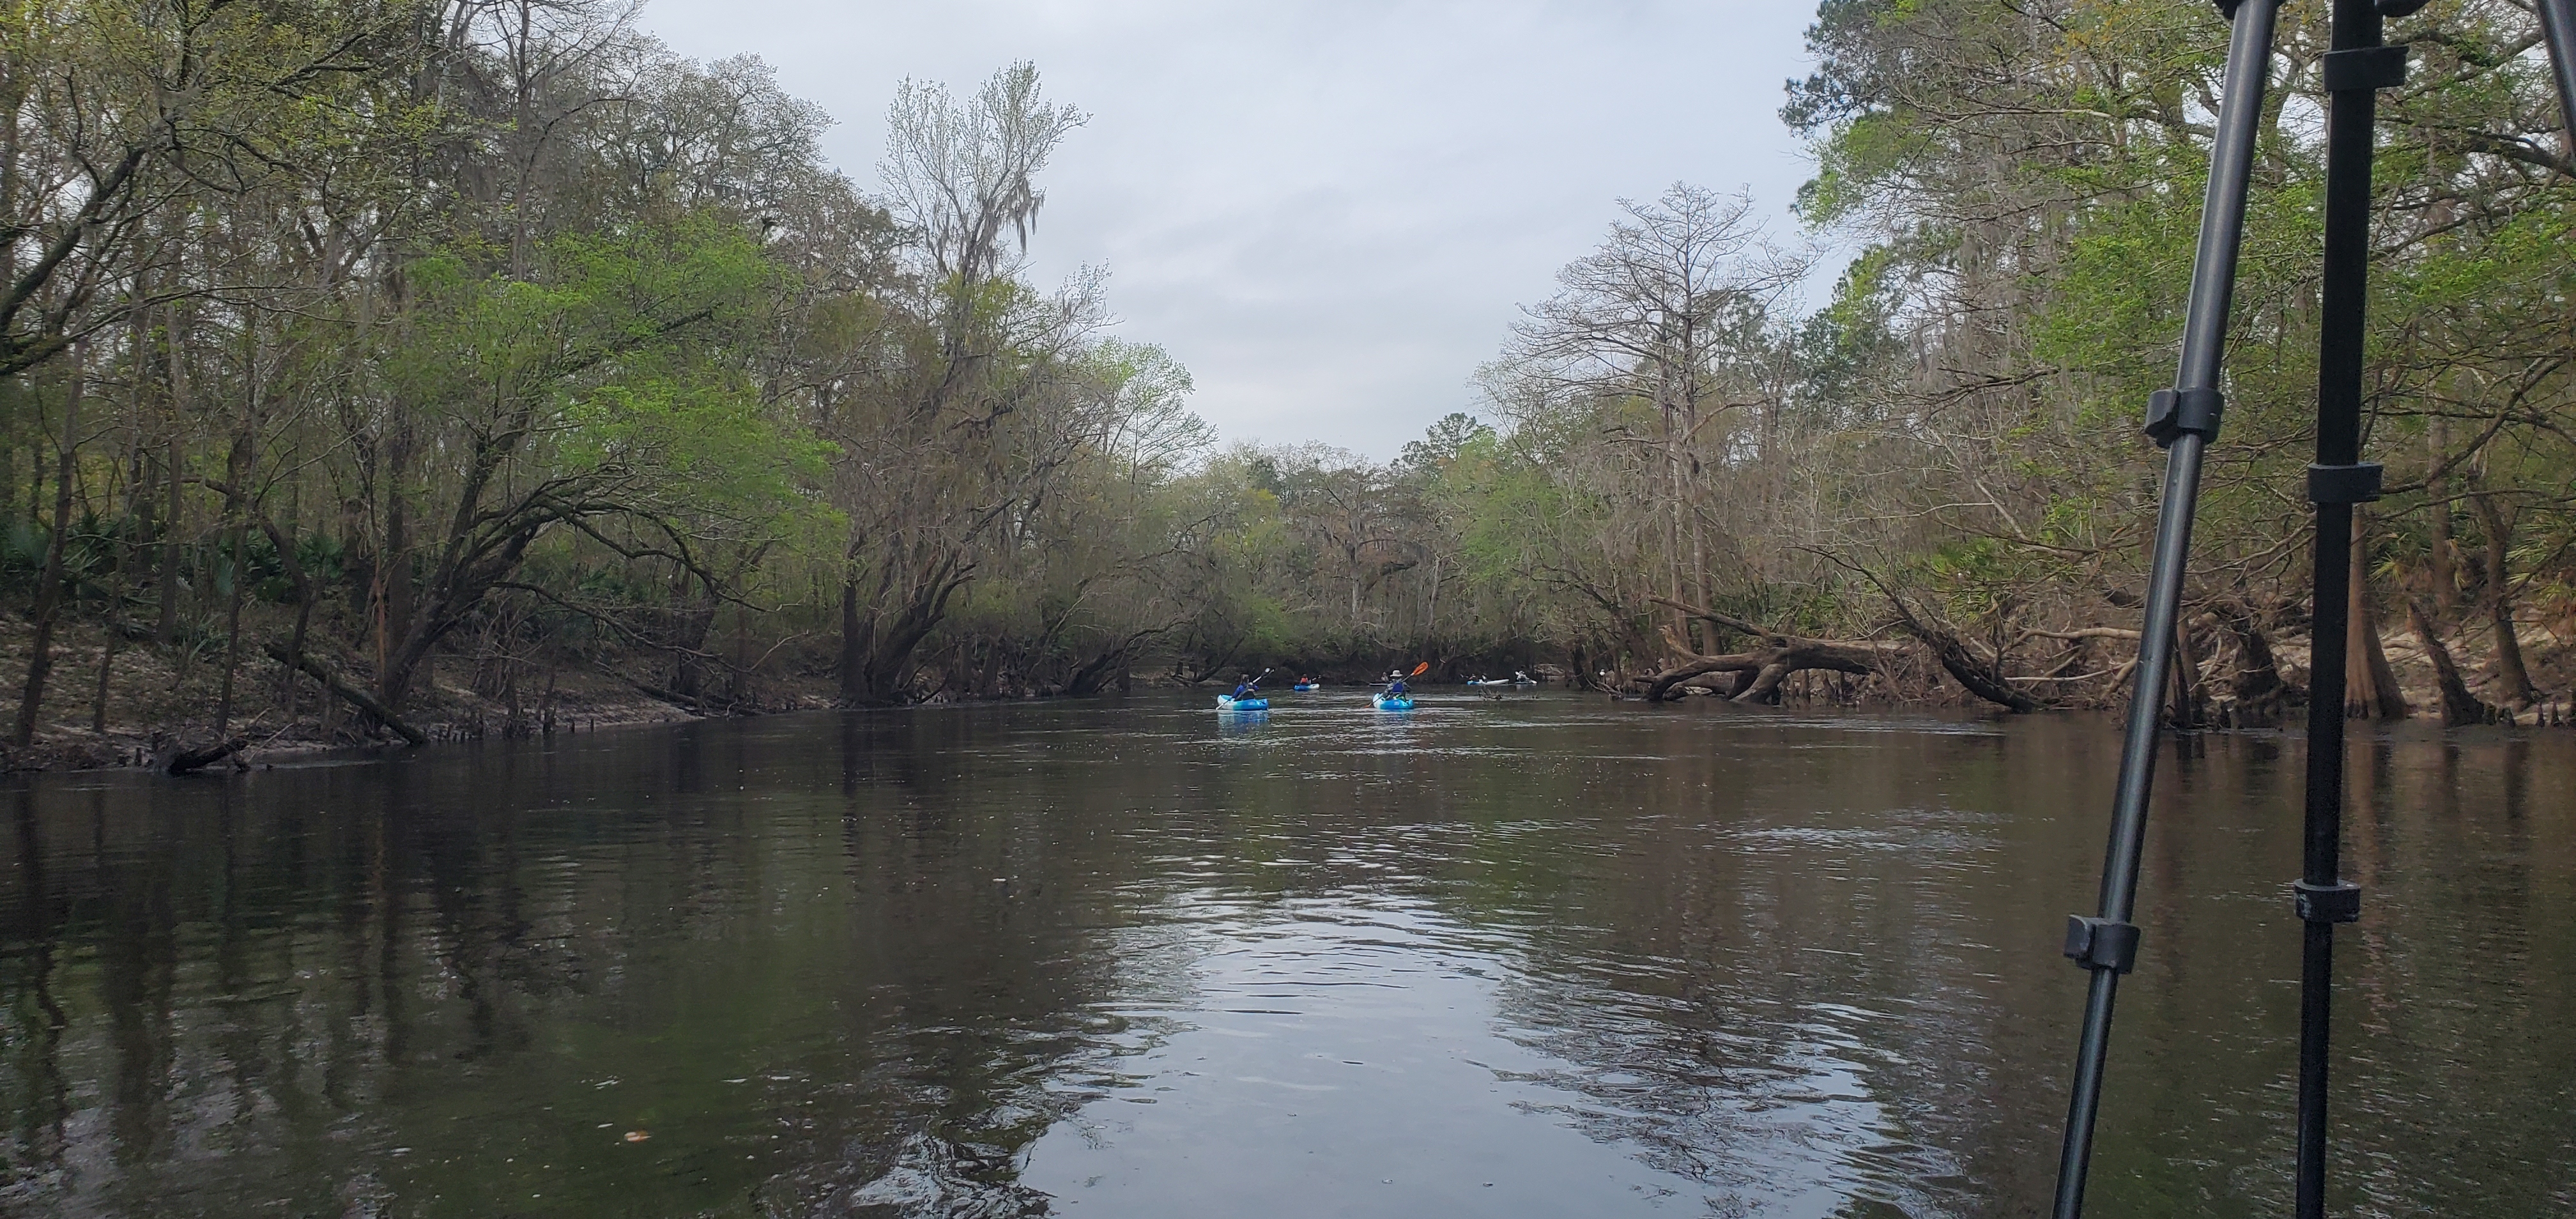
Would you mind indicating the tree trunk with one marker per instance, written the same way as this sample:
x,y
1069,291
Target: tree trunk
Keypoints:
x,y
1699,567
171,758
2373,692
1431,604
98,700
393,585
2261,693
696,625
2513,680
237,477
2444,565
853,649
2188,702
2458,705
1766,667
305,596
176,470
49,586
738,685
1673,524
1964,667
232,630
887,670
351,694
1110,665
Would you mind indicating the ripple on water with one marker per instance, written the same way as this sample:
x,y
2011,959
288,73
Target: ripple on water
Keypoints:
x,y
1537,957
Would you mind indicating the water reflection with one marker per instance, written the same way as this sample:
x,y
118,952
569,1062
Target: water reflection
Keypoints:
x,y
1526,958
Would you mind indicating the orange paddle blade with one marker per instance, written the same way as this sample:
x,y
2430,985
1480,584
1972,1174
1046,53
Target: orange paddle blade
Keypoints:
x,y
1420,669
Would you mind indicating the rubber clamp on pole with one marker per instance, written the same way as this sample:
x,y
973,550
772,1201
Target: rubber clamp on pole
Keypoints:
x,y
2339,902
2101,943
2353,484
2172,412
2360,69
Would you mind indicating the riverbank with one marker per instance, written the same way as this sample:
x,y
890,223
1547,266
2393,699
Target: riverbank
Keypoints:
x,y
2096,680
112,703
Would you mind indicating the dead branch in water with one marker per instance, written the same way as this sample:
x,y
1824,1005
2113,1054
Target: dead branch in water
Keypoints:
x,y
1982,676
1780,655
356,697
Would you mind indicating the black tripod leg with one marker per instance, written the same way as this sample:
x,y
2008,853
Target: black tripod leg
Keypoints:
x,y
2558,28
2183,419
2355,68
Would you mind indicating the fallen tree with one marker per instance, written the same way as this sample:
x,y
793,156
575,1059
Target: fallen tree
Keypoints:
x,y
1779,655
1980,673
172,758
355,697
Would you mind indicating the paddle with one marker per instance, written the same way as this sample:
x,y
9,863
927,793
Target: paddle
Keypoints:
x,y
1418,670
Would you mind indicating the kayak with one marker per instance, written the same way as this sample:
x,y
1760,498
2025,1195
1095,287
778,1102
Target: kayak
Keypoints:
x,y
1308,688
1392,702
1228,702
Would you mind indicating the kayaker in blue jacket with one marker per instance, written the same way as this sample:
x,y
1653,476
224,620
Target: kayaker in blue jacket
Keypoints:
x,y
1395,684
1245,689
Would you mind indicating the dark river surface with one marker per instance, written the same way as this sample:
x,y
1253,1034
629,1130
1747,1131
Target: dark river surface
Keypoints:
x,y
1537,957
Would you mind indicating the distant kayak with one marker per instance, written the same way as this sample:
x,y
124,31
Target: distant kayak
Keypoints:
x,y
1306,688
1227,702
1392,702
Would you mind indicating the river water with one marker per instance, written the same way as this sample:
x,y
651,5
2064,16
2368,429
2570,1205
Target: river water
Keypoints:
x,y
1536,957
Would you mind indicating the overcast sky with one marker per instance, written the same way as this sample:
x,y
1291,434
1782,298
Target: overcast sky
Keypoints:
x,y
1330,210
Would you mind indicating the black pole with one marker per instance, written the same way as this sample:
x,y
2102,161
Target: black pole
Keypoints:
x,y
2183,420
2558,28
2355,67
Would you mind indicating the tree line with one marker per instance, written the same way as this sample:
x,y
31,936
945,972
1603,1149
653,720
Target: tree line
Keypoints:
x,y
362,358
363,364
1933,483
2030,177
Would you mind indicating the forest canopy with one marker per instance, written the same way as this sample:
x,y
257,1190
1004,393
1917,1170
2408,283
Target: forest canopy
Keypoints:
x,y
366,365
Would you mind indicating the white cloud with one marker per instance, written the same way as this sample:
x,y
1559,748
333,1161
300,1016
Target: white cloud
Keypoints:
x,y
1329,210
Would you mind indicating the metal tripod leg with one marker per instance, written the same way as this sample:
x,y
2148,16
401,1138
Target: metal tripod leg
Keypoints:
x,y
2355,68
2558,29
2183,419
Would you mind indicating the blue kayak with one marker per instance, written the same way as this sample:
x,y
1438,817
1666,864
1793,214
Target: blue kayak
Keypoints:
x,y
1392,702
1305,689
1228,702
